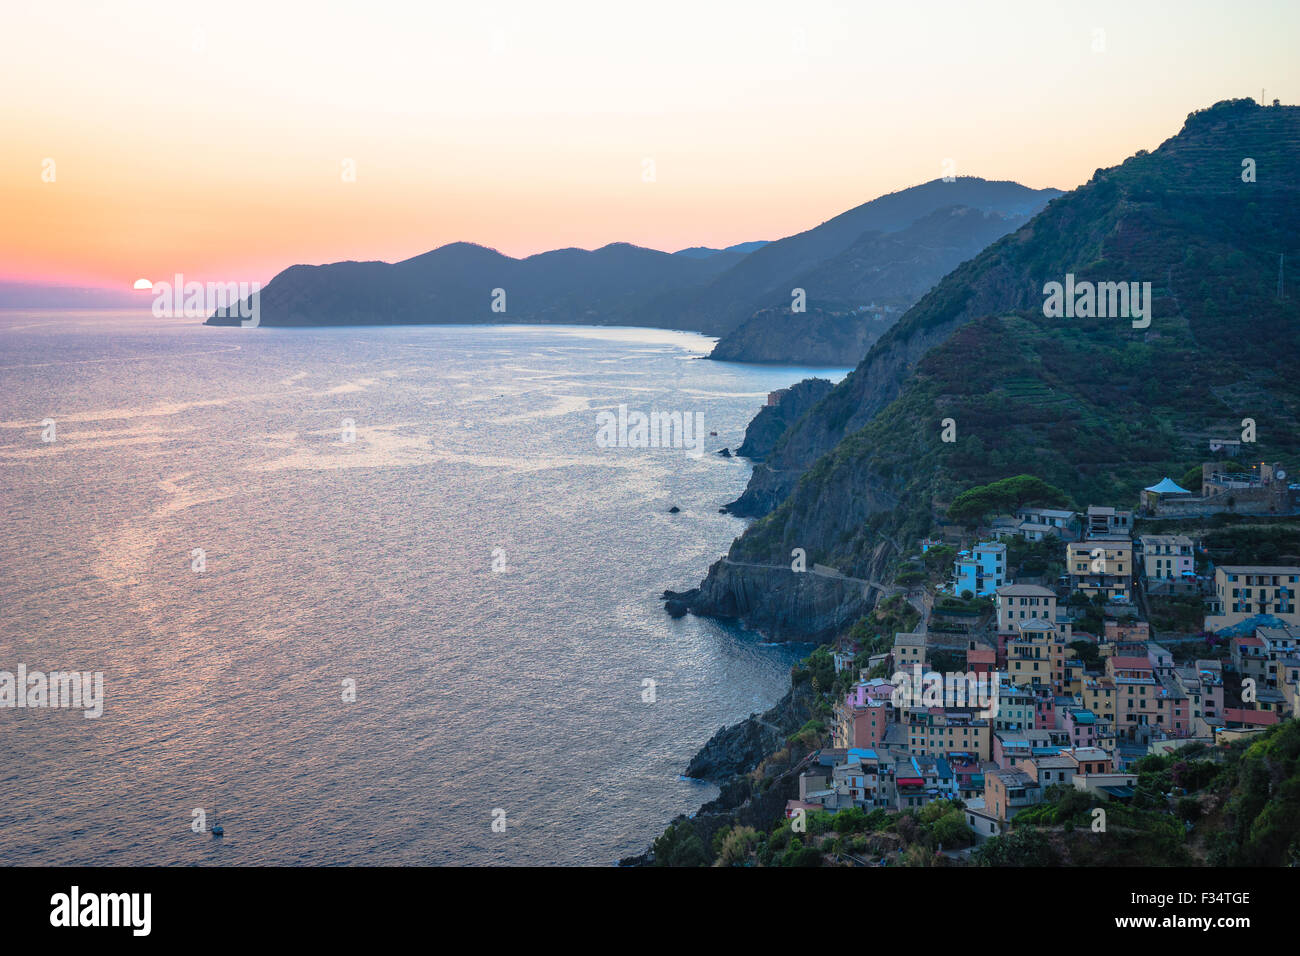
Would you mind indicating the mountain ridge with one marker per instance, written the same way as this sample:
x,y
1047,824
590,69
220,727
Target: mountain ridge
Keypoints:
x,y
618,283
854,297
1093,405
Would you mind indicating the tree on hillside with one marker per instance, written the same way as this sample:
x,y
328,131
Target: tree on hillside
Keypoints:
x,y
1008,494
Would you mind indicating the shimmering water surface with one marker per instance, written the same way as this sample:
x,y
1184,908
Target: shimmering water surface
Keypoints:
x,y
370,561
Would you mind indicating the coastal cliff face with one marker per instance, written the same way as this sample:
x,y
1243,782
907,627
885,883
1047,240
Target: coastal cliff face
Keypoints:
x,y
772,421
743,746
815,337
855,297
784,604
781,603
732,753
847,514
883,253
878,379
1091,404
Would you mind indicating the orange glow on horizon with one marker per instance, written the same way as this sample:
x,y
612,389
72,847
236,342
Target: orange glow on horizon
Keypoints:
x,y
150,140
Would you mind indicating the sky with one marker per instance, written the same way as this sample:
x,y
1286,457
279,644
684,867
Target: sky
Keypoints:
x,y
227,141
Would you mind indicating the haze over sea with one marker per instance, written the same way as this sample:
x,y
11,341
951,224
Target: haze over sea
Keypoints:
x,y
370,561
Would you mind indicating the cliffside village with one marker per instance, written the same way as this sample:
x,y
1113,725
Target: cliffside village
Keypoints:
x,y
1030,711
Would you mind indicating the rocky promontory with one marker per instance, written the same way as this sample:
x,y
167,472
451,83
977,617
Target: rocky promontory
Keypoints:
x,y
781,603
772,420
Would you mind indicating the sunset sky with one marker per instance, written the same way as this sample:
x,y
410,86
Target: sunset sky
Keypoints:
x,y
211,138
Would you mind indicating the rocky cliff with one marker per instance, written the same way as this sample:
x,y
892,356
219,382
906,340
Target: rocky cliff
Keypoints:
x,y
817,337
772,421
742,746
855,297
782,603
1093,404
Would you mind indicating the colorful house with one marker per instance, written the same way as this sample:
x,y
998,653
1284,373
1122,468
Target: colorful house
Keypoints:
x,y
1007,792
1101,566
1080,725
862,717
1167,557
1246,591
1024,602
982,570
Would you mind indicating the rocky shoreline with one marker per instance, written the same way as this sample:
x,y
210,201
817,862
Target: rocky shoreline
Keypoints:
x,y
732,753
778,602
782,605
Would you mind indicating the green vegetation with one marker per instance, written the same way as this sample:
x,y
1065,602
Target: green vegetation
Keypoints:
x,y
1228,806
1024,847
1181,615
874,633
1253,542
679,846
945,662
1261,812
1209,648
1087,652
967,605
1067,829
1090,622
1028,559
810,736
1006,495
1090,407
938,560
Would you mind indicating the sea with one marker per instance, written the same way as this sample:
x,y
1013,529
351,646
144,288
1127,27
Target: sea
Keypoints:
x,y
362,596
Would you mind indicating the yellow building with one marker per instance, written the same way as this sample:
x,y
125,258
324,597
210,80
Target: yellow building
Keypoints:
x,y
1029,654
1072,673
909,649
1101,565
1037,655
938,734
1242,591
1143,699
1024,602
1098,696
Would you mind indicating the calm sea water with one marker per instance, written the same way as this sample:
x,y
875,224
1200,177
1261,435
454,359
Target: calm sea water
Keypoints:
x,y
326,561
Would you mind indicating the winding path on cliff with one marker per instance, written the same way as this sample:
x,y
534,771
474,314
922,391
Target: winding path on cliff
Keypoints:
x,y
885,589
917,601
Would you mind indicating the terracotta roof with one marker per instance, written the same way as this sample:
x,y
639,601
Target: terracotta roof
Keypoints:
x,y
1131,663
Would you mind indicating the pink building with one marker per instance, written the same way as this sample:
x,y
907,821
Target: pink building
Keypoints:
x,y
1044,708
1238,717
1080,725
863,717
981,660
